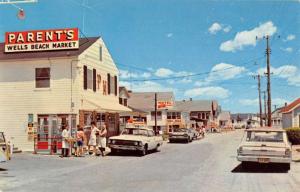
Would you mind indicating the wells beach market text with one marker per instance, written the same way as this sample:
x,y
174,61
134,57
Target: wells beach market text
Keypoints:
x,y
74,118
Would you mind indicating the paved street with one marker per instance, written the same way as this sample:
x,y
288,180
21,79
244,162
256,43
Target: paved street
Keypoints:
x,y
204,165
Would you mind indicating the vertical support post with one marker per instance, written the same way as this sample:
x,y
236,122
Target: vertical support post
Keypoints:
x,y
269,83
155,117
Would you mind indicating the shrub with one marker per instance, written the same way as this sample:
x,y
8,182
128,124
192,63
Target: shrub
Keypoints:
x,y
293,135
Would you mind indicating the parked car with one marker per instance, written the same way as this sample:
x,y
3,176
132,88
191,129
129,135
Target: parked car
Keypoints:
x,y
135,139
265,145
181,134
5,153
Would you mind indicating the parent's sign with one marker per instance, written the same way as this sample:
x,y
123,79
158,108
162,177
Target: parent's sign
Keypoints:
x,y
42,40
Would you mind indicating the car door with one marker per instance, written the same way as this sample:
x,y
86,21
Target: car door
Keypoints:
x,y
151,139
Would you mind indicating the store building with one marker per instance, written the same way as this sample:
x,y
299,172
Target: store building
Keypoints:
x,y
48,82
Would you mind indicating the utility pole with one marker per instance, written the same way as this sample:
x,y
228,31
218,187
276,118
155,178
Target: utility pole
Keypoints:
x,y
268,51
265,107
155,117
259,98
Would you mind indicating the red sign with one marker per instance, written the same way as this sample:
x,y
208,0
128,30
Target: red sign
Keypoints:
x,y
164,104
42,40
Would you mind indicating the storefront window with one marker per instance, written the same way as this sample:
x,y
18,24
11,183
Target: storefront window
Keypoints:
x,y
42,77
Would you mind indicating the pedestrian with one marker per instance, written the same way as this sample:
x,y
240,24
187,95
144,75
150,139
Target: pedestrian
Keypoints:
x,y
93,137
80,139
102,140
65,141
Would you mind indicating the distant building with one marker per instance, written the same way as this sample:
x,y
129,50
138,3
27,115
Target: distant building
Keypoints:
x,y
224,119
277,118
202,112
168,115
240,120
291,114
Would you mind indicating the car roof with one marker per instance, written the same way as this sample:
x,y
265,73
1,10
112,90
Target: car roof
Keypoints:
x,y
263,129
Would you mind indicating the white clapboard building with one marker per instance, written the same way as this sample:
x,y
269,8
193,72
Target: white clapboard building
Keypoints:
x,y
44,90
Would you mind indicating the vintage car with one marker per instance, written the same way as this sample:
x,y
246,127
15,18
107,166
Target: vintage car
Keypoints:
x,y
135,139
265,145
5,153
181,134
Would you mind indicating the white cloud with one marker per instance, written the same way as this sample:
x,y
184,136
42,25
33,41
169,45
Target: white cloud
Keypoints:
x,y
124,74
224,71
215,27
254,102
164,72
288,49
145,86
289,72
246,38
221,71
208,92
290,37
227,29
169,35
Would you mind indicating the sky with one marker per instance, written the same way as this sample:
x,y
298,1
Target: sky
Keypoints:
x,y
197,49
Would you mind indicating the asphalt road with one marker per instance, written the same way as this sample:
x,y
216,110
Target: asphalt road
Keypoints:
x,y
207,165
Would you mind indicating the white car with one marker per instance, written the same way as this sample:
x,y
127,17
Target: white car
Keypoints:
x,y
181,134
135,139
265,145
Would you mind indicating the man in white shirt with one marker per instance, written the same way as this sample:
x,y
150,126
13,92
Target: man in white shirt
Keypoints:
x,y
65,143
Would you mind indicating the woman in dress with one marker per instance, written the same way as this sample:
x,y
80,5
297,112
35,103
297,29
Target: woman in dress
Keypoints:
x,y
102,139
93,137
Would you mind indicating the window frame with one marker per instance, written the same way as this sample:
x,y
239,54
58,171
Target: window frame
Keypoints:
x,y
37,79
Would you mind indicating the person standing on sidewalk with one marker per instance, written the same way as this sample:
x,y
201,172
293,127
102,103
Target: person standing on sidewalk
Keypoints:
x,y
102,139
65,142
93,137
80,140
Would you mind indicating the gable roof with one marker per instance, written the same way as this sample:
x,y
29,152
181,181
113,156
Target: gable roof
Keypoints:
x,y
291,106
122,88
145,100
224,115
84,43
196,105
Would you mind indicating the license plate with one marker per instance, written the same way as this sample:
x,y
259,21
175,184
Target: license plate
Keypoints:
x,y
263,160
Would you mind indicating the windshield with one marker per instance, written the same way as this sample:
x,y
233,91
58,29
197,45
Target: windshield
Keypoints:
x,y
264,136
135,132
180,130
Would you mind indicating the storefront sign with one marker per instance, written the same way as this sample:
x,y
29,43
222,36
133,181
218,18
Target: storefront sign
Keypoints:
x,y
174,120
164,104
41,40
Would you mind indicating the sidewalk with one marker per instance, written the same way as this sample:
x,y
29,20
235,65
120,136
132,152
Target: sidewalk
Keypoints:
x,y
296,153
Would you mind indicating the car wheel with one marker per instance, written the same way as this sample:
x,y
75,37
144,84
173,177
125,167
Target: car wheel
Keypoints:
x,y
188,140
113,151
157,148
287,166
144,151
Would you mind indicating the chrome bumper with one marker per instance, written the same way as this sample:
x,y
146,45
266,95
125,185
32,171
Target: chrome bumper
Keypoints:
x,y
269,159
125,147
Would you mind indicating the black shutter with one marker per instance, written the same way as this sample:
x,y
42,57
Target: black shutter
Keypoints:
x,y
116,85
108,84
84,77
94,80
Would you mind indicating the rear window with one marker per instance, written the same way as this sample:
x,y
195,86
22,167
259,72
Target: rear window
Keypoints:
x,y
264,136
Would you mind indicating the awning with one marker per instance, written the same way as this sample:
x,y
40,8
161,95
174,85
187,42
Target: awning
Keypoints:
x,y
103,107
